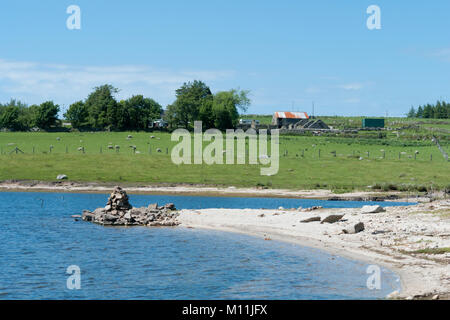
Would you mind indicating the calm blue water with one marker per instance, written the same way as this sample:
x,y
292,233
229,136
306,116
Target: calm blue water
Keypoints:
x,y
39,240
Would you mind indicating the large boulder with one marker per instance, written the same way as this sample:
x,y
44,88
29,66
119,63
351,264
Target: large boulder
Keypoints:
x,y
332,218
372,209
312,219
354,229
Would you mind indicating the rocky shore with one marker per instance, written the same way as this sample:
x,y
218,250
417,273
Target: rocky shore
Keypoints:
x,y
119,212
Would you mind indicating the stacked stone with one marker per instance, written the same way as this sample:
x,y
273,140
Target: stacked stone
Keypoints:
x,y
118,200
119,212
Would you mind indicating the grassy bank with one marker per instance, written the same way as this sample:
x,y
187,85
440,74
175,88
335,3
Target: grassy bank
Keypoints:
x,y
306,162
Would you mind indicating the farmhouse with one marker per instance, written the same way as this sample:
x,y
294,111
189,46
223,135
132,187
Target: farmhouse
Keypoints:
x,y
281,119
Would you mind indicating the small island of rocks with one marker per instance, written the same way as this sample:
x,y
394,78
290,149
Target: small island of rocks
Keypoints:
x,y
119,212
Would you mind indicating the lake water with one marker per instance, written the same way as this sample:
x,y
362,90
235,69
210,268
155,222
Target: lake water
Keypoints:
x,y
39,240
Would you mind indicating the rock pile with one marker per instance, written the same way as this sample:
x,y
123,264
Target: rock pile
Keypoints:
x,y
119,212
118,201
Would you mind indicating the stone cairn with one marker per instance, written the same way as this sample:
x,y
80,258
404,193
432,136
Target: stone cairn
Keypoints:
x,y
119,212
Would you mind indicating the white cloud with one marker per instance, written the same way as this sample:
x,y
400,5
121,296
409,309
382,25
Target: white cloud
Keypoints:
x,y
443,54
35,82
351,86
313,89
352,100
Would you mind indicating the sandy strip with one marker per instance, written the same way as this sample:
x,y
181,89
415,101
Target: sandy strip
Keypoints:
x,y
405,229
180,189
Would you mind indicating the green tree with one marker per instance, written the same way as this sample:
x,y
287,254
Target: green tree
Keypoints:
x,y
206,114
427,112
27,117
138,112
46,115
102,107
412,113
16,115
78,115
419,113
226,106
186,108
440,111
9,118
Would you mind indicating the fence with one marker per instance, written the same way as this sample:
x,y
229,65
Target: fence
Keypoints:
x,y
436,141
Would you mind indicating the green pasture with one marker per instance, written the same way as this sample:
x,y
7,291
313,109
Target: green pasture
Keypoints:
x,y
306,162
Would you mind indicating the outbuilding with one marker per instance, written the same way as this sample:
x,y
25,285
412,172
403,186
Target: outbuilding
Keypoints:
x,y
281,119
372,123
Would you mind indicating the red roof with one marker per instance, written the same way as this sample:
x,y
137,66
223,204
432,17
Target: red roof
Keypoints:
x,y
291,115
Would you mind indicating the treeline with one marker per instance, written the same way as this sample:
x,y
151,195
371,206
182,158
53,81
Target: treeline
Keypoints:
x,y
440,110
18,116
195,101
101,111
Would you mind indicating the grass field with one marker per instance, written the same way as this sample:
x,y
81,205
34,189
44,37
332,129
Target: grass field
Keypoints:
x,y
395,162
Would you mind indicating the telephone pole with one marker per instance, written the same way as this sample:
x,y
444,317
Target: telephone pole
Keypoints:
x,y
313,109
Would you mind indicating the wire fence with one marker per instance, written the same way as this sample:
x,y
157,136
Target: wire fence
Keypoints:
x,y
301,153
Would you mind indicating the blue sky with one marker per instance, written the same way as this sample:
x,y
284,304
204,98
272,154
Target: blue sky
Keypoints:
x,y
287,53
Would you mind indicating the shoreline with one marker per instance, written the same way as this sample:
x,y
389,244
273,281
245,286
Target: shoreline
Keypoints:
x,y
422,276
201,190
389,239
